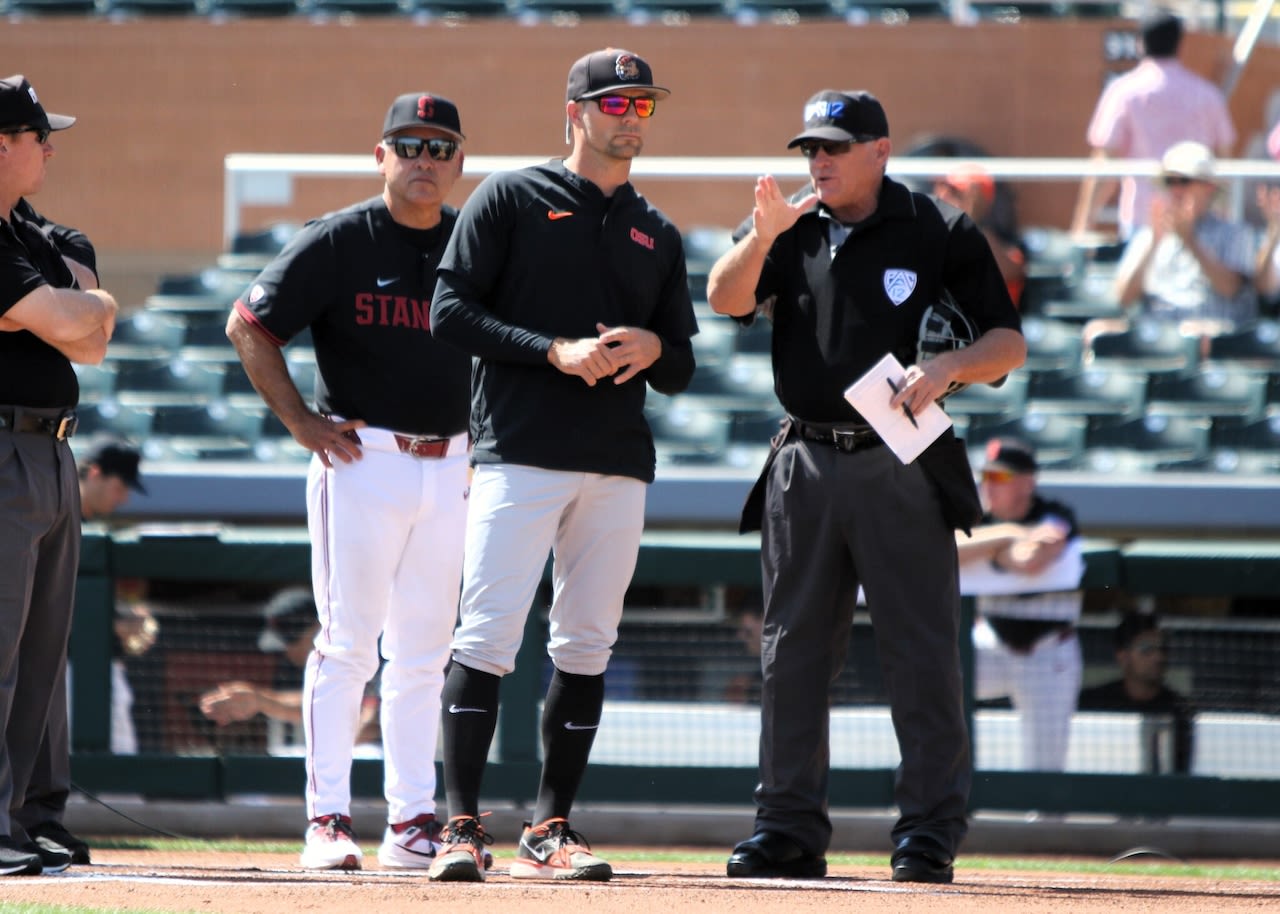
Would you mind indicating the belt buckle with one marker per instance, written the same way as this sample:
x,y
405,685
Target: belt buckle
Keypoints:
x,y
66,426
421,447
845,441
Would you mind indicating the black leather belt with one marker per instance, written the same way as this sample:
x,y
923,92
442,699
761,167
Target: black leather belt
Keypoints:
x,y
19,420
843,438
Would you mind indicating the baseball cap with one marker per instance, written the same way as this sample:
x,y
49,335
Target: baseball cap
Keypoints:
x,y
422,109
1011,455
19,106
602,72
1189,159
286,617
115,458
842,116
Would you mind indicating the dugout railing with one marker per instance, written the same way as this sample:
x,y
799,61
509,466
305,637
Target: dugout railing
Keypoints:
x,y
212,556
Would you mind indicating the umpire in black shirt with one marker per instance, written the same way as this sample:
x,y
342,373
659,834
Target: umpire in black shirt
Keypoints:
x,y
847,273
46,323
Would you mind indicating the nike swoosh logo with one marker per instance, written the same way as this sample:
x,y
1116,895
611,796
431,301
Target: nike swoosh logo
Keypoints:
x,y
570,725
383,283
454,709
553,215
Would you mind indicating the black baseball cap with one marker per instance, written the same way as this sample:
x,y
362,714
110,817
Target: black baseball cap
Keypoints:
x,y
1161,34
842,117
19,106
115,458
602,72
1012,455
422,109
287,616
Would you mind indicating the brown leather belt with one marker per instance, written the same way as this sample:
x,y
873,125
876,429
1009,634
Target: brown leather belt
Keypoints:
x,y
422,447
848,439
17,419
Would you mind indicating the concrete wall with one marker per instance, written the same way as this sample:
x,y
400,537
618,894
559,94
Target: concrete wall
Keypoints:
x,y
162,101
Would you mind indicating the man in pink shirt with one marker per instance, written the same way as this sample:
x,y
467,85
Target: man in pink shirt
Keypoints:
x,y
1144,112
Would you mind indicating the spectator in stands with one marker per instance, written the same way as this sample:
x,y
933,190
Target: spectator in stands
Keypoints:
x,y
1189,265
973,190
1023,563
1142,654
1267,268
108,472
51,315
289,628
1142,113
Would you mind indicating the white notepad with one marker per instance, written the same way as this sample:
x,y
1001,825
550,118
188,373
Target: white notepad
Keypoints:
x,y
870,396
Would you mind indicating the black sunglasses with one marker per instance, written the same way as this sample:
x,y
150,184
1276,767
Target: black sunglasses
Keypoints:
x,y
410,147
42,133
1177,181
810,148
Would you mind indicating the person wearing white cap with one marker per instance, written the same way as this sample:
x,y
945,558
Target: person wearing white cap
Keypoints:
x,y
1189,265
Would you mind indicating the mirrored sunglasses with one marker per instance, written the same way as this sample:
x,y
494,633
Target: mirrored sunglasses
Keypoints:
x,y
617,105
410,147
998,476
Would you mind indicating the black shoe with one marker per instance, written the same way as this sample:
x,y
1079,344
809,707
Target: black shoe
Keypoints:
x,y
768,854
58,834
54,858
18,861
921,859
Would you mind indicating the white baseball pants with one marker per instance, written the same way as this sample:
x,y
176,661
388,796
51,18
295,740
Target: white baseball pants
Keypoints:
x,y
591,522
386,561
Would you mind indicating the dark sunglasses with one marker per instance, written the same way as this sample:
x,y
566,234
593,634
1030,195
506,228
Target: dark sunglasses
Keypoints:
x,y
410,147
42,133
1177,181
809,149
998,476
1148,648
617,105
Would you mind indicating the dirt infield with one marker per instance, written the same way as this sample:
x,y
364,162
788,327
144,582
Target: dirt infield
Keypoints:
x,y
258,883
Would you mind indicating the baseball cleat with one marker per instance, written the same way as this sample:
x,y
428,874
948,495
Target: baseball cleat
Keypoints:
x,y
331,845
553,850
463,857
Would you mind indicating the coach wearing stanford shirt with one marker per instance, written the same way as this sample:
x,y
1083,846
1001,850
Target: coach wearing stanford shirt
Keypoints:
x,y
387,485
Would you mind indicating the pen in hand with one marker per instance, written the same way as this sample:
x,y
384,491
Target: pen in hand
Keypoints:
x,y
906,409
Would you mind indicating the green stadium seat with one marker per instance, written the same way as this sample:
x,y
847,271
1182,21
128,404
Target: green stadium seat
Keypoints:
x,y
688,434
1008,399
96,381
1092,392
1149,345
1058,439
1052,345
323,8
217,422
1256,347
51,7
164,382
461,9
252,8
1154,436
113,418
535,9
128,8
755,427
146,333
1209,392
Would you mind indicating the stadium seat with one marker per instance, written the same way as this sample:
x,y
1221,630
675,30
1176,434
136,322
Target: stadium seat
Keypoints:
x,y
1058,439
145,333
323,8
1090,296
703,244
164,382
782,11
757,337
1008,399
1154,436
212,289
252,250
1257,347
232,9
673,11
96,381
743,382
51,7
1209,392
460,9
1147,345
111,417
217,422
755,426
690,434
1092,392
1052,345
535,9
715,341
1259,434
127,8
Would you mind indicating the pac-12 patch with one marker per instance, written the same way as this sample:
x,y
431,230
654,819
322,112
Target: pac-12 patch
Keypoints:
x,y
256,293
899,284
